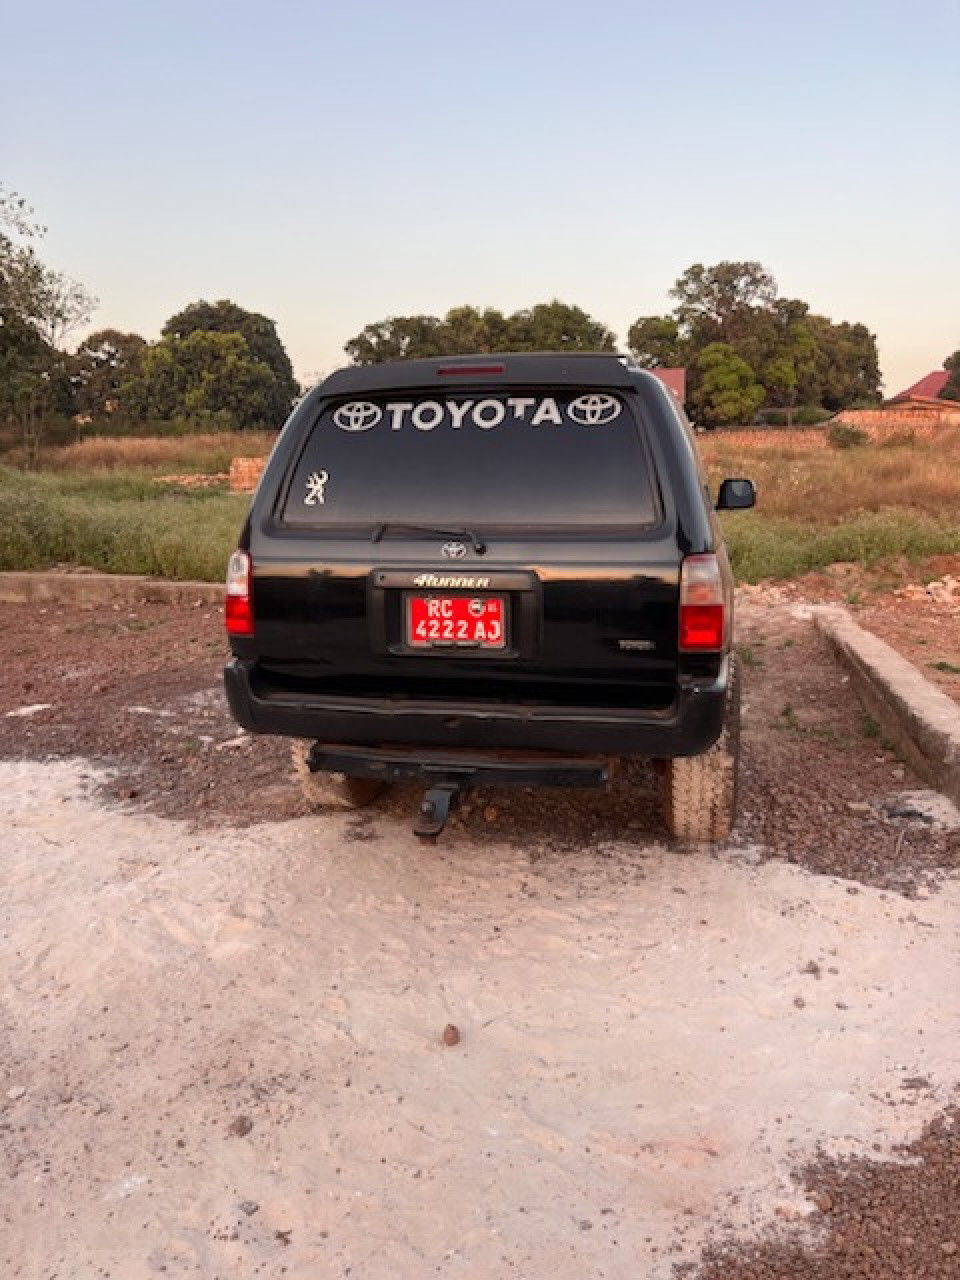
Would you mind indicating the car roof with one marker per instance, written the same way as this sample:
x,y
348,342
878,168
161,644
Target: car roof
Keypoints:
x,y
580,369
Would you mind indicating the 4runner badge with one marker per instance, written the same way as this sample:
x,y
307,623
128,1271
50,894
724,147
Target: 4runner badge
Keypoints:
x,y
444,580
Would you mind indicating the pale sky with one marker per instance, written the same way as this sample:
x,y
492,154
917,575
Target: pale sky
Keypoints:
x,y
332,164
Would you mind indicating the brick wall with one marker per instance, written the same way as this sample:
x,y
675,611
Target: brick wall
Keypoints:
x,y
245,474
876,424
768,437
923,420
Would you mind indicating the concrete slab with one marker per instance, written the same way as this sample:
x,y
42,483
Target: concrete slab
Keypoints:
x,y
95,590
914,713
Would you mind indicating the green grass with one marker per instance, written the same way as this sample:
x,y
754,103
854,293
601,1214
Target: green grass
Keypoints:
x,y
120,521
748,655
772,547
117,524
869,727
948,668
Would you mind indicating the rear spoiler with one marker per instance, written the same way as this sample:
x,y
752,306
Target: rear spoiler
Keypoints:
x,y
490,371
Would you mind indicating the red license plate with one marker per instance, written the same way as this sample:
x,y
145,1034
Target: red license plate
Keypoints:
x,y
474,622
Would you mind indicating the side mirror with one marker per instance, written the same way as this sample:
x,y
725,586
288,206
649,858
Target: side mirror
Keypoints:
x,y
736,495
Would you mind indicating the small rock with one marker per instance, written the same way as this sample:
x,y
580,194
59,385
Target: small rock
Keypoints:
x,y
249,1207
949,1247
790,1212
812,968
799,1002
823,1201
240,1127
897,809
451,1035
16,1093
491,813
283,1236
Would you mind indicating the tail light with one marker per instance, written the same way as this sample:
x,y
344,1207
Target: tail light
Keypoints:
x,y
238,613
702,605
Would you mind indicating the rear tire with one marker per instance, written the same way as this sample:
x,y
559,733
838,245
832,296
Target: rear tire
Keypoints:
x,y
700,792
323,790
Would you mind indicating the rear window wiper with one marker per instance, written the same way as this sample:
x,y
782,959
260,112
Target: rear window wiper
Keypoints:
x,y
467,535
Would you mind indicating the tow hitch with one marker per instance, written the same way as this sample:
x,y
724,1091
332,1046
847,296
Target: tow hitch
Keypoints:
x,y
449,773
435,809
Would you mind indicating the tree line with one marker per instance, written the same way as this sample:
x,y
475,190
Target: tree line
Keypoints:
x,y
219,365
216,365
743,346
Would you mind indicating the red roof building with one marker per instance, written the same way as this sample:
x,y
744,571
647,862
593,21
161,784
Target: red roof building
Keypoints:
x,y
927,388
675,379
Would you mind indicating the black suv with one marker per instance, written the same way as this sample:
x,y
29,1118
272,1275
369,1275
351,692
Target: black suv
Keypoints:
x,y
501,569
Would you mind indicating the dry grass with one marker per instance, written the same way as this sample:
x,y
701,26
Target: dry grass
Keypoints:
x,y
98,504
199,453
825,486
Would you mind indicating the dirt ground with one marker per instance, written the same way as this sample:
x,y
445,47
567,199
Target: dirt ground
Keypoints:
x,y
914,607
221,1047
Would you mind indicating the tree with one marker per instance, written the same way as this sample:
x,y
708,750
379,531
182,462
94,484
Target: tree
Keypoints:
x,y
796,357
104,362
655,342
261,337
29,381
846,364
728,390
557,326
469,331
548,326
38,308
715,303
62,305
793,359
206,375
399,338
951,389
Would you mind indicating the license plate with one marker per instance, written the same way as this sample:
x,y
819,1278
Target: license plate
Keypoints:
x,y
472,622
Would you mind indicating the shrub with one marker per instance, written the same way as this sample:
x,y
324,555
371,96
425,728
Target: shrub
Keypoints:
x,y
810,415
840,436
898,440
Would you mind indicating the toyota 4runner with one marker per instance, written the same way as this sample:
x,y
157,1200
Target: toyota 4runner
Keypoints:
x,y
498,569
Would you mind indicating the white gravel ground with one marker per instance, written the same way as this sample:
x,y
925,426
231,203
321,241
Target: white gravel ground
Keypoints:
x,y
221,1054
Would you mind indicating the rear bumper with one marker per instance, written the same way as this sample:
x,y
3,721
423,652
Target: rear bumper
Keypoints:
x,y
688,727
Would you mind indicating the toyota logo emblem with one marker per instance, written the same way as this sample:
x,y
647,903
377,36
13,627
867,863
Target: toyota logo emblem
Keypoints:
x,y
594,410
358,415
454,550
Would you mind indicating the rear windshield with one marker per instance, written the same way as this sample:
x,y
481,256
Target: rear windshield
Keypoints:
x,y
509,460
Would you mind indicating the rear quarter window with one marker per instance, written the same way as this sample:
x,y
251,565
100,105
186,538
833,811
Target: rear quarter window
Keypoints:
x,y
523,459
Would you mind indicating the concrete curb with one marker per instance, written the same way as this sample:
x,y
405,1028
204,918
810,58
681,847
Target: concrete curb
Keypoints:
x,y
90,590
916,715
